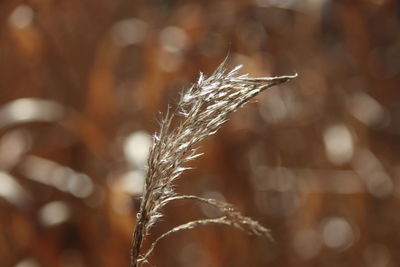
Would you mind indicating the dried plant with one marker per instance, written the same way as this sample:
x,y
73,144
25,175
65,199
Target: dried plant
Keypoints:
x,y
200,112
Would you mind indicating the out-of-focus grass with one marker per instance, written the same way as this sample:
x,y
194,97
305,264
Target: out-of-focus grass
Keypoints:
x,y
316,160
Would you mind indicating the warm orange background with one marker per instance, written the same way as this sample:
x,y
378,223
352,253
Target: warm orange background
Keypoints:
x,y
316,160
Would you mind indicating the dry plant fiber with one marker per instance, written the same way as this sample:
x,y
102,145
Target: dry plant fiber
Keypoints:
x,y
200,112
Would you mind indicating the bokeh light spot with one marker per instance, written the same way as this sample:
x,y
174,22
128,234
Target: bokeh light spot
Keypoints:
x,y
54,213
337,233
136,148
367,110
129,32
28,262
12,191
173,39
133,182
338,144
21,17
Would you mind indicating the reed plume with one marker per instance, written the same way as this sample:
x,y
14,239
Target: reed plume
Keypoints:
x,y
200,112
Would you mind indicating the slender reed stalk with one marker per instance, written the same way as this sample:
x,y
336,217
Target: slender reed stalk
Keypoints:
x,y
200,112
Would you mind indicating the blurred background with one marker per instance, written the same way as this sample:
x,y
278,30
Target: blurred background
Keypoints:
x,y
317,160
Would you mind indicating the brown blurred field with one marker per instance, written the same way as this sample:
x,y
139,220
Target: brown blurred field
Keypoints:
x,y
317,160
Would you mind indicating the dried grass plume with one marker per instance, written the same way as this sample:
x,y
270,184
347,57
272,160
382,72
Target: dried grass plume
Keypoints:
x,y
200,112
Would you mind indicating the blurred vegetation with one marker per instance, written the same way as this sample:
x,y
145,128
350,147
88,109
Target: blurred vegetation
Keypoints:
x,y
316,160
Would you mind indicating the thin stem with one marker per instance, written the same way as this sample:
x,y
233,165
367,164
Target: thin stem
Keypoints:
x,y
138,238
